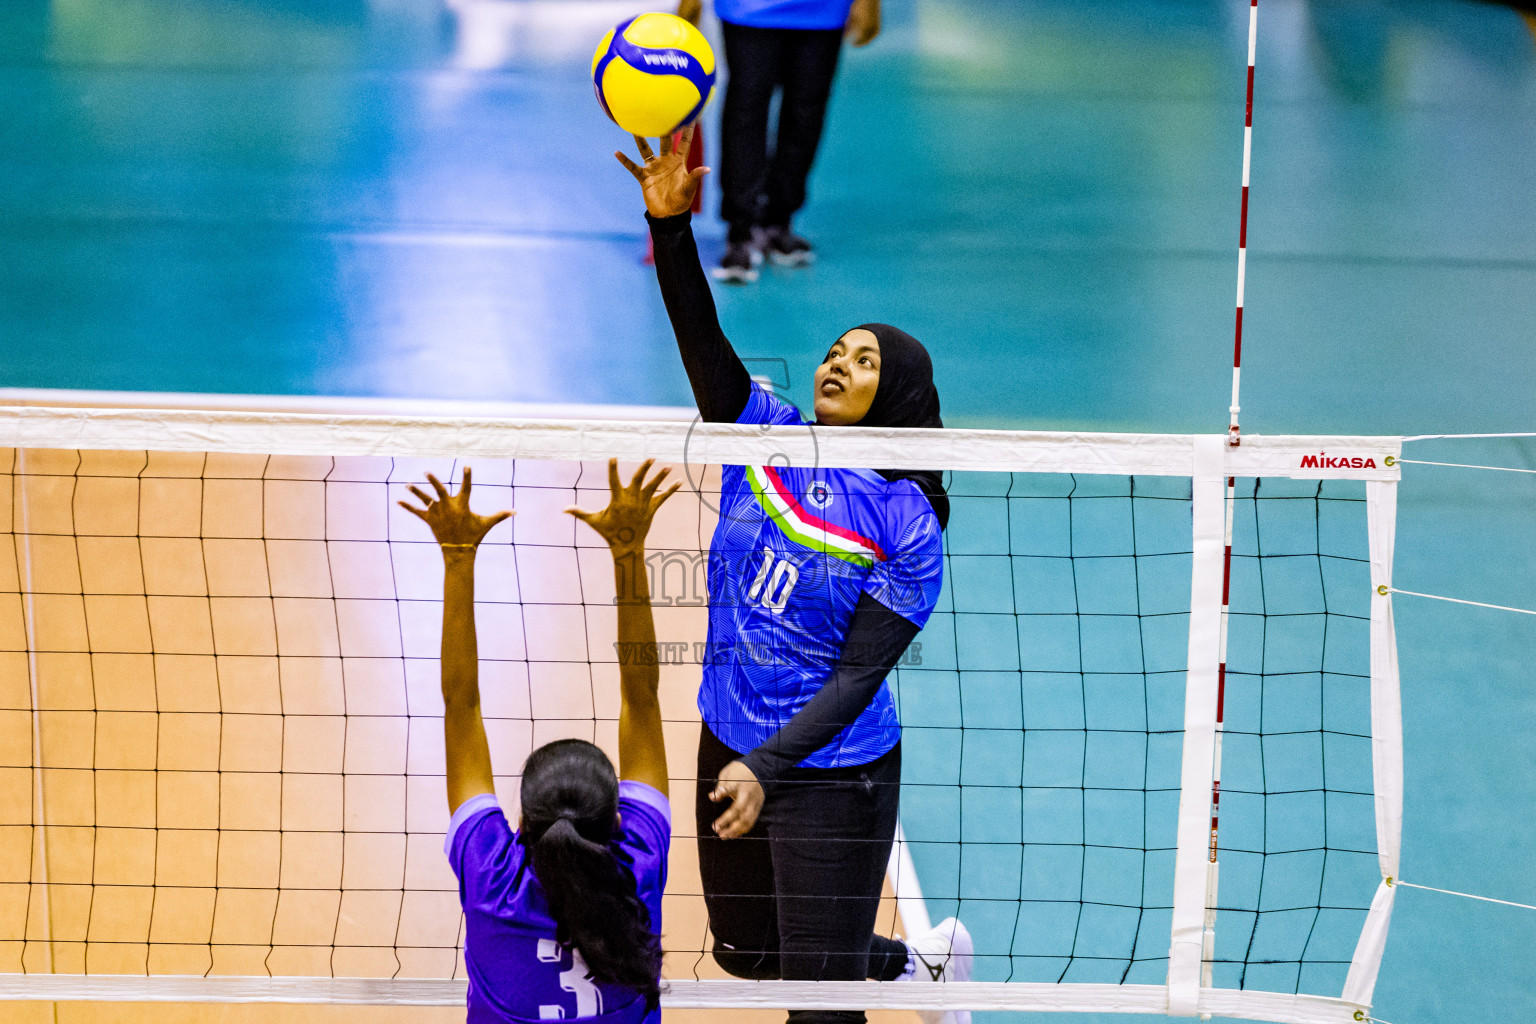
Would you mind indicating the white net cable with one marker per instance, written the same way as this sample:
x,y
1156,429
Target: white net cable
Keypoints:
x,y
1466,895
1465,465
1458,600
220,730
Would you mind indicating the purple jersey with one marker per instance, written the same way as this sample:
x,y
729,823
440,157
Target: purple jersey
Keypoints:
x,y
517,971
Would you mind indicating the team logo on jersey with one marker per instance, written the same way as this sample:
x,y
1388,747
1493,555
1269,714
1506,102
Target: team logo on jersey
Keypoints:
x,y
819,494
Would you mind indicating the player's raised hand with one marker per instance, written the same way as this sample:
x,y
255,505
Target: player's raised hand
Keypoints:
x,y
665,180
631,507
453,524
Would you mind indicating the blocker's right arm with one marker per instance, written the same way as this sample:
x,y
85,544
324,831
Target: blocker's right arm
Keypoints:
x,y
721,384
624,525
459,533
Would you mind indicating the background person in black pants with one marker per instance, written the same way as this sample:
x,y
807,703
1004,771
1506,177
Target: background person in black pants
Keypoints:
x,y
791,46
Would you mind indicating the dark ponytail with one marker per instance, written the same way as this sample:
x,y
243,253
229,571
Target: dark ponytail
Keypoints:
x,y
570,798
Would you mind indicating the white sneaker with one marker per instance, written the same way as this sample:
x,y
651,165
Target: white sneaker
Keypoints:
x,y
944,954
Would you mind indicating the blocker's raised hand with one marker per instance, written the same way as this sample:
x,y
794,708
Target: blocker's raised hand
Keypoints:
x,y
665,180
625,521
452,522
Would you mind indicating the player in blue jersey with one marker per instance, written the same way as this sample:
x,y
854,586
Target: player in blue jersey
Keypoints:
x,y
562,913
818,581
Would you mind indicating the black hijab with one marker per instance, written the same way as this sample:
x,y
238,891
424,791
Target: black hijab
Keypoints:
x,y
906,397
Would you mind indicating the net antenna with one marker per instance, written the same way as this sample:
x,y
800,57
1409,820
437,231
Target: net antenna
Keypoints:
x,y
1233,430
1234,438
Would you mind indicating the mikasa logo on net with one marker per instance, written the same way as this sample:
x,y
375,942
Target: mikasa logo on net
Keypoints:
x,y
1322,460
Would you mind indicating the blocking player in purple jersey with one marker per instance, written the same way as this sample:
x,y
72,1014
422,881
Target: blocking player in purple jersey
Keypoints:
x,y
563,912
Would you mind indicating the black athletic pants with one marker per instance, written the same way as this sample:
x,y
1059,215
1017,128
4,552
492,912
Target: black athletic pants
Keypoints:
x,y
797,897
756,188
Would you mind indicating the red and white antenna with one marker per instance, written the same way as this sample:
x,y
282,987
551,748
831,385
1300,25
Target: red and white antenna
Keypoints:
x,y
1234,432
1234,438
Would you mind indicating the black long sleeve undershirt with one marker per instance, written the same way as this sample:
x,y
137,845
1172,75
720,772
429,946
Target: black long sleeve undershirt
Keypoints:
x,y
877,638
721,384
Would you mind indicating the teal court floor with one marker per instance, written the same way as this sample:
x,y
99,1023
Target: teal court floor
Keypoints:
x,y
417,200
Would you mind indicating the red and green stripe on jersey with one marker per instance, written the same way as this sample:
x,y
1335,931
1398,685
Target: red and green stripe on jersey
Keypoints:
x,y
803,527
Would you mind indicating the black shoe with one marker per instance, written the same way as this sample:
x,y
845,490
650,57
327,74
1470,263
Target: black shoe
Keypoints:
x,y
739,265
785,248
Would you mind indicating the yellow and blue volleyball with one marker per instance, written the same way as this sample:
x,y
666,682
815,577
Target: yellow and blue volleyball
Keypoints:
x,y
653,74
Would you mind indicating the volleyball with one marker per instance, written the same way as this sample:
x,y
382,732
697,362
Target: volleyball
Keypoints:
x,y
653,74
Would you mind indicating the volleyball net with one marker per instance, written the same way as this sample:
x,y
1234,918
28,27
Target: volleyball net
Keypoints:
x,y
221,764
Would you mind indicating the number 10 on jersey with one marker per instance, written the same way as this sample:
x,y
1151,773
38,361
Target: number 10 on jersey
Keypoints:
x,y
775,579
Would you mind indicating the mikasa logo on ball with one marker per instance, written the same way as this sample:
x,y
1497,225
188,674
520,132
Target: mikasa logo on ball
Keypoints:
x,y
819,494
675,60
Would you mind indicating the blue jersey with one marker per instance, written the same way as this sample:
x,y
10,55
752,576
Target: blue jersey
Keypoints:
x,y
792,552
518,972
813,14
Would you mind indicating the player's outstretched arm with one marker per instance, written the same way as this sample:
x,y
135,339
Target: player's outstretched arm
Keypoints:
x,y
459,533
720,382
624,524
